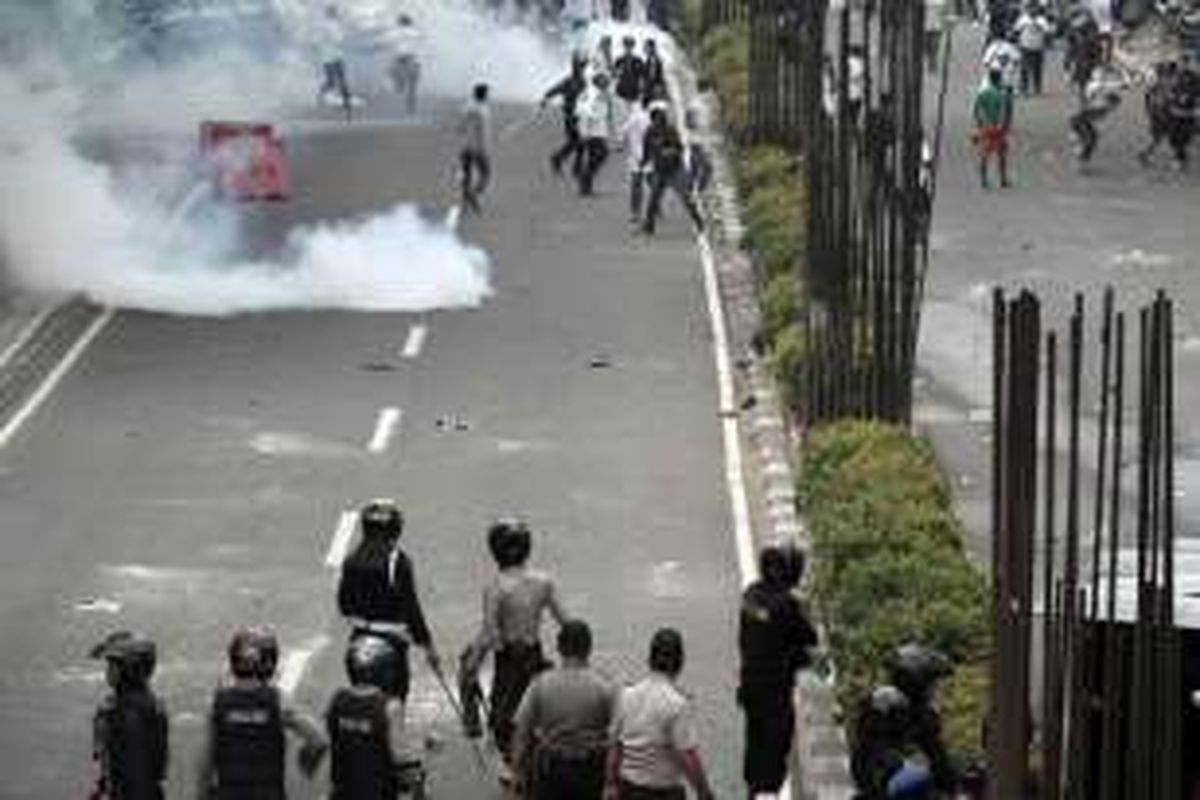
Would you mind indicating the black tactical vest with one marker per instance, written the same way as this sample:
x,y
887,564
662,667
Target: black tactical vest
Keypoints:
x,y
366,591
248,746
362,762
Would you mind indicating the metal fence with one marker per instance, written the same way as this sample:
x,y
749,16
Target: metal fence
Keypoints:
x,y
1112,700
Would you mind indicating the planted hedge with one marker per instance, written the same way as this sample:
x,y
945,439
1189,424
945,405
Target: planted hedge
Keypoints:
x,y
889,567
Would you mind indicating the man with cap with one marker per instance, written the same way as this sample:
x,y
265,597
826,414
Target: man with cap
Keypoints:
x,y
514,605
654,747
130,726
562,724
244,748
377,591
774,639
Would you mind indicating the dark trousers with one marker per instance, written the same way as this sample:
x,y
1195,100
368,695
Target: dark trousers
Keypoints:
x,y
560,777
630,791
1083,124
637,194
620,10
516,667
770,725
335,81
398,684
595,153
676,180
572,147
476,170
1032,63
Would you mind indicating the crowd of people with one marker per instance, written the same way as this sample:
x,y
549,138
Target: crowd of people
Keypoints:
x,y
562,732
1019,36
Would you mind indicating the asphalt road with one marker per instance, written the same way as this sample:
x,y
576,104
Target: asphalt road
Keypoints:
x,y
188,476
1060,229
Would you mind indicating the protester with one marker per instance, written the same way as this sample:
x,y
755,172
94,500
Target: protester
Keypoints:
x,y
774,639
654,86
1033,30
993,112
654,746
664,154
633,135
1004,57
377,591
130,730
562,724
1100,98
514,605
630,72
475,162
333,62
595,129
569,89
406,63
242,757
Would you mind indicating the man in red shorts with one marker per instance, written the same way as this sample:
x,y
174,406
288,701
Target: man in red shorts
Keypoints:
x,y
993,120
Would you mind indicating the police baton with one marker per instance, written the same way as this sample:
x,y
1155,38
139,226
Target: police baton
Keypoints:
x,y
480,760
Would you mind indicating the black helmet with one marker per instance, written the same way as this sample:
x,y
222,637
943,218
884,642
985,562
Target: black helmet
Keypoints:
x,y
371,660
510,541
781,564
916,669
381,519
131,658
254,654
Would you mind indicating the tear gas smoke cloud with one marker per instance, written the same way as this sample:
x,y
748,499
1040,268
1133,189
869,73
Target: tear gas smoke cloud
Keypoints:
x,y
67,224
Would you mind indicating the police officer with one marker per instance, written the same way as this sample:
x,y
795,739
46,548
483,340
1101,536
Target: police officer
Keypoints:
x,y
130,726
562,724
366,729
377,591
243,754
774,637
916,670
880,740
514,604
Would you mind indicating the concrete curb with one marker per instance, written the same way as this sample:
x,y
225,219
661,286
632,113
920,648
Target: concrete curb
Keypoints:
x,y
822,771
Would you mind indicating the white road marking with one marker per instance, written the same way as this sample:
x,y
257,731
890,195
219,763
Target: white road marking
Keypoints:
x,y
291,671
453,217
385,429
25,335
417,335
55,377
342,536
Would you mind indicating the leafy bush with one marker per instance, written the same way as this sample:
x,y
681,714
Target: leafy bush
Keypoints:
x,y
725,52
889,567
787,363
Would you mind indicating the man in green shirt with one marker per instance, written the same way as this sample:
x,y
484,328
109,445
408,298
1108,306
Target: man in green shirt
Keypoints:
x,y
993,120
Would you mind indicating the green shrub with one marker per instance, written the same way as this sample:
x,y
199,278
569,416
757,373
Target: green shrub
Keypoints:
x,y
787,363
780,306
889,567
725,52
763,165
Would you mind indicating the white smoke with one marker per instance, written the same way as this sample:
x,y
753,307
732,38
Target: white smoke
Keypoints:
x,y
70,223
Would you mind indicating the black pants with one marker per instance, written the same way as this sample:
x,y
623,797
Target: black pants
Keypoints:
x,y
572,147
630,791
676,180
1032,63
770,725
637,192
516,667
560,777
335,81
476,170
398,685
595,153
620,10
1084,125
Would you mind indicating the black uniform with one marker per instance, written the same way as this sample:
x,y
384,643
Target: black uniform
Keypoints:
x,y
654,85
248,745
774,636
377,585
362,767
630,73
131,745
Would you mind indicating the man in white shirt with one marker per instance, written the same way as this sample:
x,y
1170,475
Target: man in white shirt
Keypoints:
x,y
1033,34
406,61
633,135
475,128
329,36
654,745
1004,57
595,129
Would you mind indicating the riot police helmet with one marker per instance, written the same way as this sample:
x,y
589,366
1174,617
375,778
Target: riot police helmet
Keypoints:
x,y
254,654
885,715
381,519
510,542
371,661
781,564
916,669
131,659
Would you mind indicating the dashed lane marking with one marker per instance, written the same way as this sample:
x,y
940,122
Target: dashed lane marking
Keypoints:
x,y
339,545
417,335
385,430
453,217
296,662
25,335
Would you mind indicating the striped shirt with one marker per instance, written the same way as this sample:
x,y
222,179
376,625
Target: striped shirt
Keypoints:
x,y
654,725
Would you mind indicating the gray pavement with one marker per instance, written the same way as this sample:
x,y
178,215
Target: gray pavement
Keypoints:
x,y
1058,230
188,475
